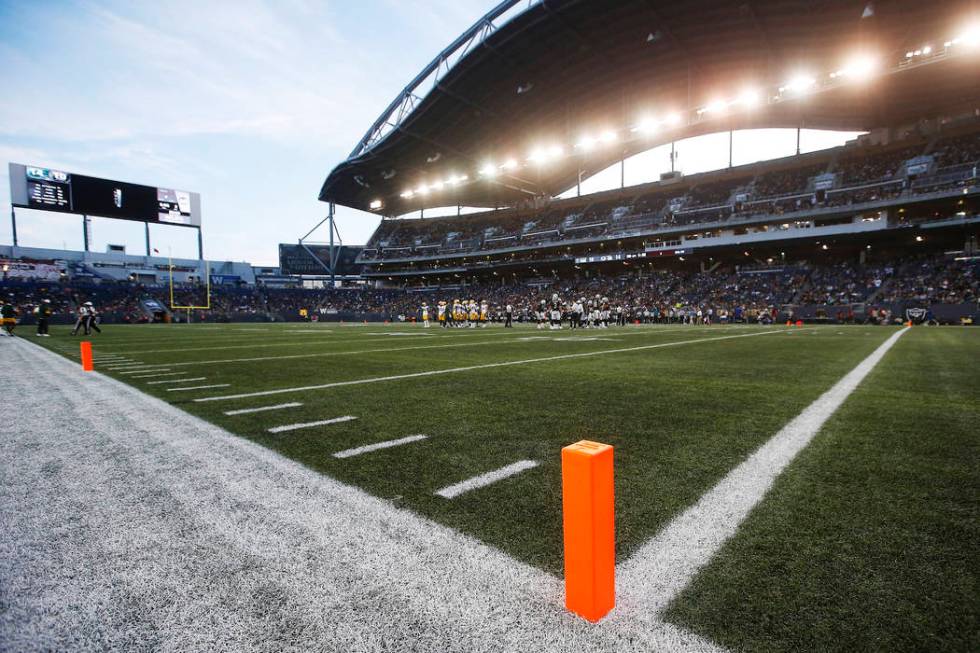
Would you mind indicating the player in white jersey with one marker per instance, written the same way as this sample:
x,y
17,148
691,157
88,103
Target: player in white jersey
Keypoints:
x,y
425,315
442,314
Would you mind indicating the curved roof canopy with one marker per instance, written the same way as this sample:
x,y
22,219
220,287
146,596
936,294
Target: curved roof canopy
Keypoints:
x,y
642,73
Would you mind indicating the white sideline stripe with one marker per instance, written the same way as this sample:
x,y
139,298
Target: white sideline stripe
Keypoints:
x,y
483,480
198,378
357,451
452,370
663,567
306,425
150,376
199,387
262,409
143,370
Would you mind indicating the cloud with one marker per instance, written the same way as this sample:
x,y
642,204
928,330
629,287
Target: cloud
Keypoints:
x,y
250,103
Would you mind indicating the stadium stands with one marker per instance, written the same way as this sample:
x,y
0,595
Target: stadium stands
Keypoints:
x,y
862,175
923,281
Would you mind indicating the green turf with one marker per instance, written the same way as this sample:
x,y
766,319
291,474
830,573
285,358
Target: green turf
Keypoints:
x,y
871,539
680,418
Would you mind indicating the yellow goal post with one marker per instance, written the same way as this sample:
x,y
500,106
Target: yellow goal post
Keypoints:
x,y
207,282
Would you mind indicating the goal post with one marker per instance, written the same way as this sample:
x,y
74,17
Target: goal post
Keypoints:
x,y
207,287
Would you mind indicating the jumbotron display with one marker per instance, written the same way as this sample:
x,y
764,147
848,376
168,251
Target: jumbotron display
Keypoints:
x,y
47,189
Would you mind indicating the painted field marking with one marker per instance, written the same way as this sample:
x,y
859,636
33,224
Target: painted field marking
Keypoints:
x,y
663,567
149,368
306,425
262,409
199,387
124,366
326,341
469,368
387,444
196,378
483,480
377,351
154,376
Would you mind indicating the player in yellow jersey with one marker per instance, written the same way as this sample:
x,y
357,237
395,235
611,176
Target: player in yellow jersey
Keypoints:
x,y
442,313
425,315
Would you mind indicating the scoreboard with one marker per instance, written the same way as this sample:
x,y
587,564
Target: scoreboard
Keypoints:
x,y
295,259
46,189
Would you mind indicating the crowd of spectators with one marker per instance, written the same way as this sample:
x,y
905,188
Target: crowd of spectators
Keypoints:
x,y
864,174
935,280
957,150
845,283
871,164
664,294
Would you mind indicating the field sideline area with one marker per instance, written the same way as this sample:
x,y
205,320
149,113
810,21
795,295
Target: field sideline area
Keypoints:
x,y
866,541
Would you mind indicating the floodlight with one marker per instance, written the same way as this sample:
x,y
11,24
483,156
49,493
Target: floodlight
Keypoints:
x,y
408,194
375,205
509,164
537,155
608,136
586,143
799,84
715,106
422,190
555,151
437,185
673,118
488,170
927,50
648,125
970,37
748,98
862,66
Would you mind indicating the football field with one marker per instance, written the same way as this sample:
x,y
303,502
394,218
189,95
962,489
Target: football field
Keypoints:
x,y
865,539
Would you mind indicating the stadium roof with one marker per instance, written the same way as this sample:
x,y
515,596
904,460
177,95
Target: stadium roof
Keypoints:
x,y
529,80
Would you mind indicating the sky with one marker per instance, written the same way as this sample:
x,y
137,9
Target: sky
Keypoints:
x,y
250,103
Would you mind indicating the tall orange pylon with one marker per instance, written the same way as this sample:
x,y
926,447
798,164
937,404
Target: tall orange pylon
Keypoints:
x,y
87,356
589,525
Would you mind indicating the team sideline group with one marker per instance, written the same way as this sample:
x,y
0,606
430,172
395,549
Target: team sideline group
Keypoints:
x,y
582,313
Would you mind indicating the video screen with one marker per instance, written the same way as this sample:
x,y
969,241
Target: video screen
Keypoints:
x,y
47,189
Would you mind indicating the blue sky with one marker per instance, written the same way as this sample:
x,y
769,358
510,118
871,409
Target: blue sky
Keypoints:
x,y
249,103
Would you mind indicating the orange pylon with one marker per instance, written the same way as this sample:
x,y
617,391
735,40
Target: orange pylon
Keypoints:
x,y
86,348
589,527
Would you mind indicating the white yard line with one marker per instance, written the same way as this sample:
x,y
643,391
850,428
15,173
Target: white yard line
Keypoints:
x,y
199,387
306,342
663,567
196,378
262,409
384,350
453,370
142,370
306,425
483,480
154,376
387,444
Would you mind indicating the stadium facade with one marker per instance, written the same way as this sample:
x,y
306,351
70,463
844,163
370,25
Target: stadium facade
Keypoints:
x,y
537,96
